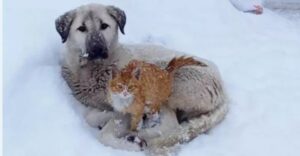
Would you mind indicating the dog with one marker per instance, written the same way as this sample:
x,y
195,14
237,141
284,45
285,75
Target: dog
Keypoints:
x,y
90,33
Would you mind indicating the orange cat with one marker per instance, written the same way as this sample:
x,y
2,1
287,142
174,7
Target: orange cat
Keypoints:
x,y
142,87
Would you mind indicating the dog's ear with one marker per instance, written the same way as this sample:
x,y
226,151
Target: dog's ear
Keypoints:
x,y
114,73
118,15
63,24
114,70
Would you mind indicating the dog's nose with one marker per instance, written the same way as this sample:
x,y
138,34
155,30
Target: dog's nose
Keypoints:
x,y
97,55
104,55
96,46
97,52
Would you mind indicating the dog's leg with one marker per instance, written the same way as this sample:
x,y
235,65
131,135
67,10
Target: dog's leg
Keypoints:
x,y
115,133
191,129
109,137
97,119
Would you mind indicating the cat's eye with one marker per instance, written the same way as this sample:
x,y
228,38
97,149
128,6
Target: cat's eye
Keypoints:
x,y
119,86
104,26
130,88
82,28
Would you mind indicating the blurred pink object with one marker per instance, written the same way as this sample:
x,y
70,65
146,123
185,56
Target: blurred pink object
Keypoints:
x,y
258,9
248,6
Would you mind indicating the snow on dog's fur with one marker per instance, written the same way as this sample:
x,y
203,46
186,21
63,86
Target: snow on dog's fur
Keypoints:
x,y
90,33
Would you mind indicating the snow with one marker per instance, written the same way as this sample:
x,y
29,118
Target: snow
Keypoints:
x,y
258,57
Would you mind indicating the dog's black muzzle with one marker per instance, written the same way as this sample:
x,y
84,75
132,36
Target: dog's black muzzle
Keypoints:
x,y
97,52
96,47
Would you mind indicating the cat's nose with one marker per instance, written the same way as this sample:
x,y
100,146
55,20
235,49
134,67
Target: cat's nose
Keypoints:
x,y
125,94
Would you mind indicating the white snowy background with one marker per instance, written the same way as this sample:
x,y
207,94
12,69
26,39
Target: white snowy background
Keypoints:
x,y
258,57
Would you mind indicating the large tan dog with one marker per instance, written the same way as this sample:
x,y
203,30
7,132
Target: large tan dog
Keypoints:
x,y
90,33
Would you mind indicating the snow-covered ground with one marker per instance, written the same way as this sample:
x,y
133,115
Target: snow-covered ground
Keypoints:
x,y
258,57
293,15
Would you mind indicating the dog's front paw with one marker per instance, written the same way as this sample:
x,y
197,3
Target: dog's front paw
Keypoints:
x,y
133,138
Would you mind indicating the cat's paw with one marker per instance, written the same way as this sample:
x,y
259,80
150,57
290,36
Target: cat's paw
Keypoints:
x,y
140,125
152,120
155,118
133,138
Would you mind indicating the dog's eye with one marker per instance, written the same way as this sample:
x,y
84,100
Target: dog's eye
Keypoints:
x,y
104,26
82,28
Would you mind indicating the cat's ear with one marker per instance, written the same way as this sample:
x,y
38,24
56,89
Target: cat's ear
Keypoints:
x,y
137,73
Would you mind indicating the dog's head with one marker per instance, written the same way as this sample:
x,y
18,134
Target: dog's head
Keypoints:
x,y
91,30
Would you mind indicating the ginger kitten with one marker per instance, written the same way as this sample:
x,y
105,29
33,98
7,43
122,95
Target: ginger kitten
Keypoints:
x,y
142,87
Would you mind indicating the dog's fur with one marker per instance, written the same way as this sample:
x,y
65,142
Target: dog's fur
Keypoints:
x,y
197,97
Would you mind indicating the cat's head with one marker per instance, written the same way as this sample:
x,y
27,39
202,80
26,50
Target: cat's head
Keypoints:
x,y
125,83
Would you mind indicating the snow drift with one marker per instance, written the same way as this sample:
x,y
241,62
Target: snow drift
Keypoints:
x,y
258,57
